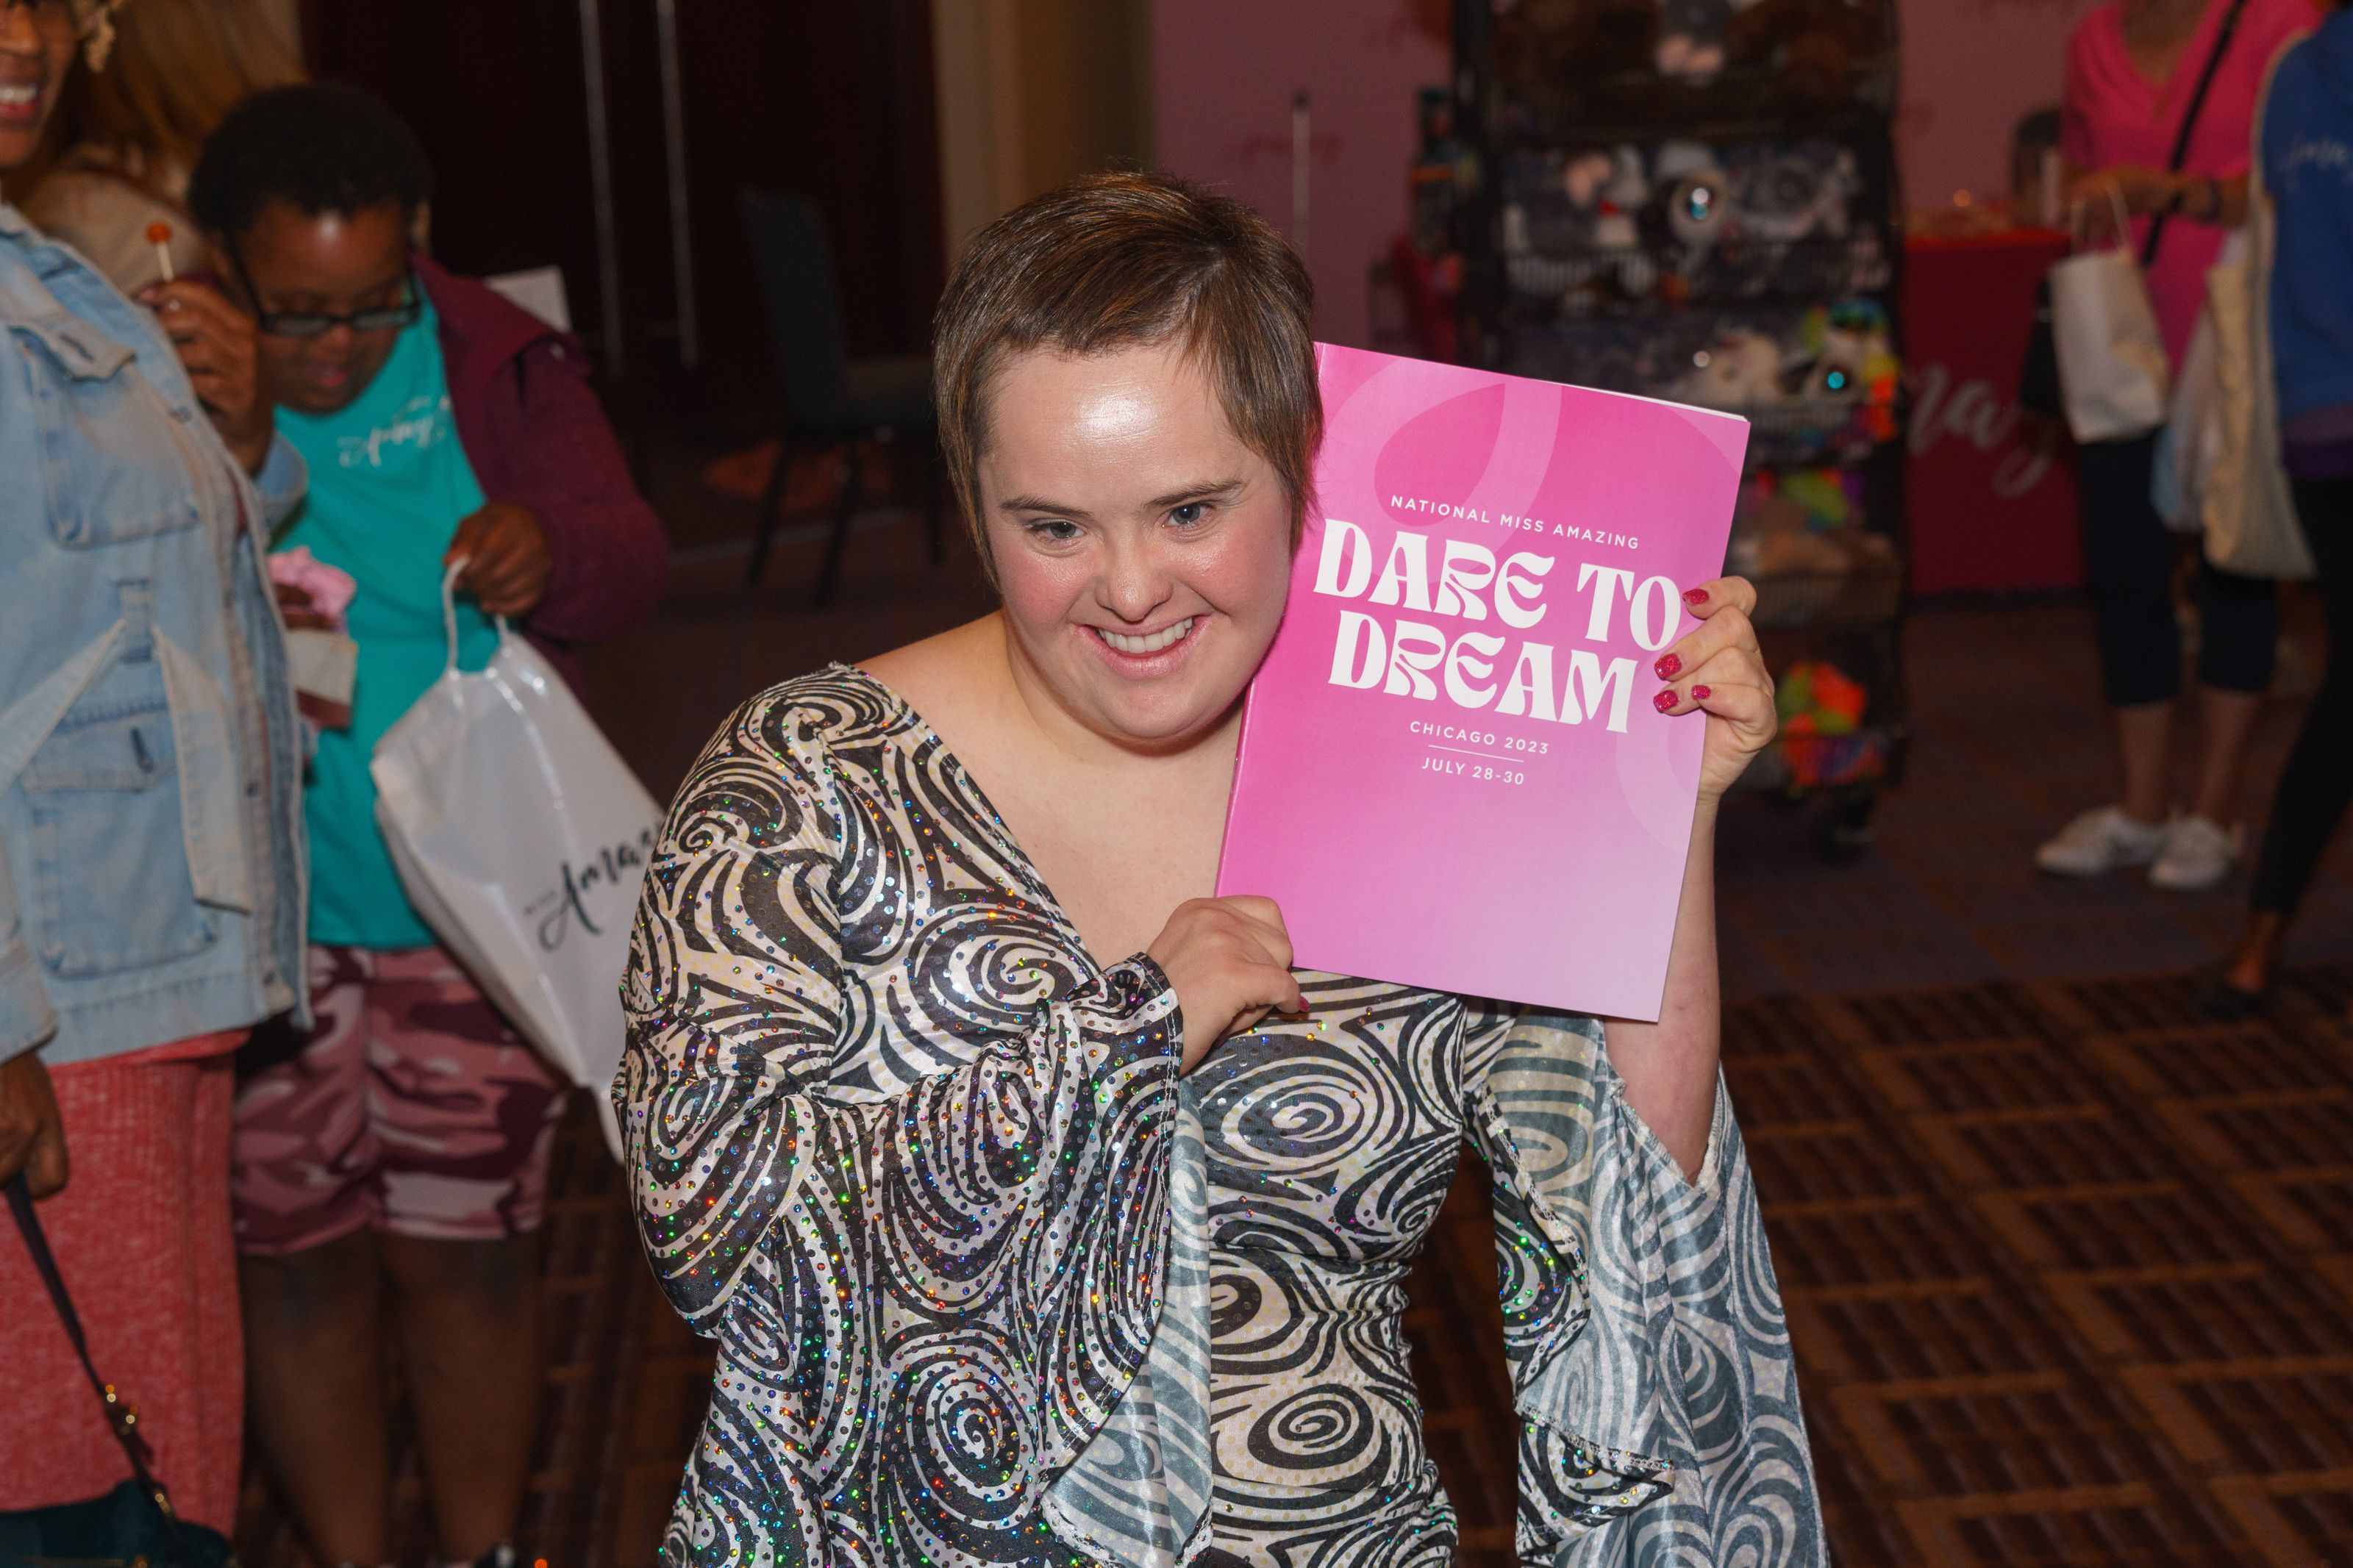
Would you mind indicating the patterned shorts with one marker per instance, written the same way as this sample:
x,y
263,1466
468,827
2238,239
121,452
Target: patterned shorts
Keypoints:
x,y
410,1107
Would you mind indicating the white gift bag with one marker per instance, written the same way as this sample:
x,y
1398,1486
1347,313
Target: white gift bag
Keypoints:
x,y
2188,446
2248,508
522,838
2112,371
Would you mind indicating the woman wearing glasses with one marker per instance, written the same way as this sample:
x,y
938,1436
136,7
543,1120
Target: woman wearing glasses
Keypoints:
x,y
151,885
390,1168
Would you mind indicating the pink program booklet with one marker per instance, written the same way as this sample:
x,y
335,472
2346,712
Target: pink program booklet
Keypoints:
x,y
1451,775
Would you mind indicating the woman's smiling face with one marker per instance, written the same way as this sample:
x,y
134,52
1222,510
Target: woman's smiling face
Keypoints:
x,y
1142,549
36,45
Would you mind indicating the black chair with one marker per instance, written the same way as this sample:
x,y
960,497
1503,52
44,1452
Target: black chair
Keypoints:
x,y
831,401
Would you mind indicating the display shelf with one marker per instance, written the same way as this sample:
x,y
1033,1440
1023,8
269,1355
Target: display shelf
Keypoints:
x,y
1863,595
1584,259
1560,276
1737,102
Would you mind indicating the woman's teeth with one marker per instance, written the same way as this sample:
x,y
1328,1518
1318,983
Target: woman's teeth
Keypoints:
x,y
19,97
1164,638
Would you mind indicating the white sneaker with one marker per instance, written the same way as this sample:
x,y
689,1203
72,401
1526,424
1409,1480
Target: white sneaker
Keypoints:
x,y
2099,841
2199,853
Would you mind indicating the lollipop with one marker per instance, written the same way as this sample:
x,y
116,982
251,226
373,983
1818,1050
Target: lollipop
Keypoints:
x,y
159,234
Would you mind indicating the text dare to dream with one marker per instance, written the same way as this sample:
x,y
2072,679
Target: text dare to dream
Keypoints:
x,y
1514,675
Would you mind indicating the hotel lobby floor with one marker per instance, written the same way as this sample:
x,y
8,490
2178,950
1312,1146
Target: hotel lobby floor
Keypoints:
x,y
2068,1268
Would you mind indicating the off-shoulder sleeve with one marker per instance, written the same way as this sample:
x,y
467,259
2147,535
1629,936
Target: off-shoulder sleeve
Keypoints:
x,y
1651,1363
988,1243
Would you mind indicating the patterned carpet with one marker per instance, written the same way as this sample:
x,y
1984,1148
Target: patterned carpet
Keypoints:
x,y
2070,1269
2070,1272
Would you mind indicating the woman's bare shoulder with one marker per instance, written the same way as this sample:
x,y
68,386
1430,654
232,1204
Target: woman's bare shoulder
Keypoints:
x,y
942,674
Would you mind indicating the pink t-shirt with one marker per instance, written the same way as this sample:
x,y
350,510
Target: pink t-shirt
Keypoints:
x,y
2112,114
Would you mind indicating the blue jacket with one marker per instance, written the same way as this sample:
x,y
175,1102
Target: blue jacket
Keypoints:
x,y
2308,165
151,847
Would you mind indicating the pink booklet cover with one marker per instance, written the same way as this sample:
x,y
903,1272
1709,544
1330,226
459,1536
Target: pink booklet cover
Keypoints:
x,y
1451,774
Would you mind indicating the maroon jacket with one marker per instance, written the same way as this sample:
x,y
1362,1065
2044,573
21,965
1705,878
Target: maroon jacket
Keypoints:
x,y
537,437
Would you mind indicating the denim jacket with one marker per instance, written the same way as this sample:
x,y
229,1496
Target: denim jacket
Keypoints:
x,y
150,838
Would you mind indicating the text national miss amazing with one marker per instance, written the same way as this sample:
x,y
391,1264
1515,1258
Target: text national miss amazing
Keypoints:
x,y
1408,657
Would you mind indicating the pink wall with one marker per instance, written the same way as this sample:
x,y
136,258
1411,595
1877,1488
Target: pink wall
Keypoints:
x,y
1223,72
1971,69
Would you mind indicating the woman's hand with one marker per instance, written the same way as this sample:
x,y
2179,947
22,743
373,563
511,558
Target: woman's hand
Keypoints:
x,y
508,559
216,344
1719,670
2144,191
32,1139
1229,961
297,610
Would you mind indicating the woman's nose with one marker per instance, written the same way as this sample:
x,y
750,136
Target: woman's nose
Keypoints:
x,y
1133,582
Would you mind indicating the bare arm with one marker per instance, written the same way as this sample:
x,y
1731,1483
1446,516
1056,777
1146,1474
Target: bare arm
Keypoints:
x,y
1669,1068
2146,191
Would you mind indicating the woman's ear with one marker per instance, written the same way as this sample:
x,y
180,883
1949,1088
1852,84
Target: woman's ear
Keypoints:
x,y
227,276
420,229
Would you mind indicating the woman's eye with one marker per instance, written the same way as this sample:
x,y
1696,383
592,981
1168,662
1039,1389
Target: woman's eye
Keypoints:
x,y
1054,530
1191,512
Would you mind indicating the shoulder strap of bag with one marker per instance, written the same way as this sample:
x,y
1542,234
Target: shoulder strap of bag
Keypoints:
x,y
121,1419
2189,120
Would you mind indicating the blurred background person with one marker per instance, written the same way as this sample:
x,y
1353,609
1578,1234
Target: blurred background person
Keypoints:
x,y
2307,152
2132,70
126,136
391,1166
150,880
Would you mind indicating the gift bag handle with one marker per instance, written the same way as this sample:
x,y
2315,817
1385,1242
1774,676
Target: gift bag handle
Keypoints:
x,y
450,611
2082,230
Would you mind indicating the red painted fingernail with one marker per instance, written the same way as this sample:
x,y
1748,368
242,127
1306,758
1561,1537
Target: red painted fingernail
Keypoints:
x,y
1694,595
1699,693
1664,700
1668,667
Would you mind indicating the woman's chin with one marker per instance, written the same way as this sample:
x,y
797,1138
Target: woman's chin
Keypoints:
x,y
1160,700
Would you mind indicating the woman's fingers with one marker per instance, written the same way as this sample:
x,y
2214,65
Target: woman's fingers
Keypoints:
x,y
1712,598
1716,691
1727,631
1747,708
1263,920
1724,607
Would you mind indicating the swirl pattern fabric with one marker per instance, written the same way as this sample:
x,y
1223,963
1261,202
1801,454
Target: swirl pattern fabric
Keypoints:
x,y
990,1287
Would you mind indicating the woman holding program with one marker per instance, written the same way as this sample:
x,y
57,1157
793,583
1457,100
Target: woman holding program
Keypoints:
x,y
1043,1213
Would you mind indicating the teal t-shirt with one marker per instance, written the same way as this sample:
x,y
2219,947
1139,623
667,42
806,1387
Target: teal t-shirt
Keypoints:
x,y
389,484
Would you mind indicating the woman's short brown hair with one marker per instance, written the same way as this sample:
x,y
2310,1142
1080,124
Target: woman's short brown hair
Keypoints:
x,y
1115,261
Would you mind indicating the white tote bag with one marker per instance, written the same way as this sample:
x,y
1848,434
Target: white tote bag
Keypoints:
x,y
2247,507
522,838
2112,371
2187,449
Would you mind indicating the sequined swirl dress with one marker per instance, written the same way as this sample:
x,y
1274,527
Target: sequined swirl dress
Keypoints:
x,y
992,1285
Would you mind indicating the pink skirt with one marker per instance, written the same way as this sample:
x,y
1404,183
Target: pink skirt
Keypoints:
x,y
142,1236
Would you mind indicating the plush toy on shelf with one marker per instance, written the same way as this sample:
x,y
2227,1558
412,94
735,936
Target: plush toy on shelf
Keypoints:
x,y
1815,697
1741,369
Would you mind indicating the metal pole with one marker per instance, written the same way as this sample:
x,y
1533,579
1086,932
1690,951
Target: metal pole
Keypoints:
x,y
681,240
600,185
